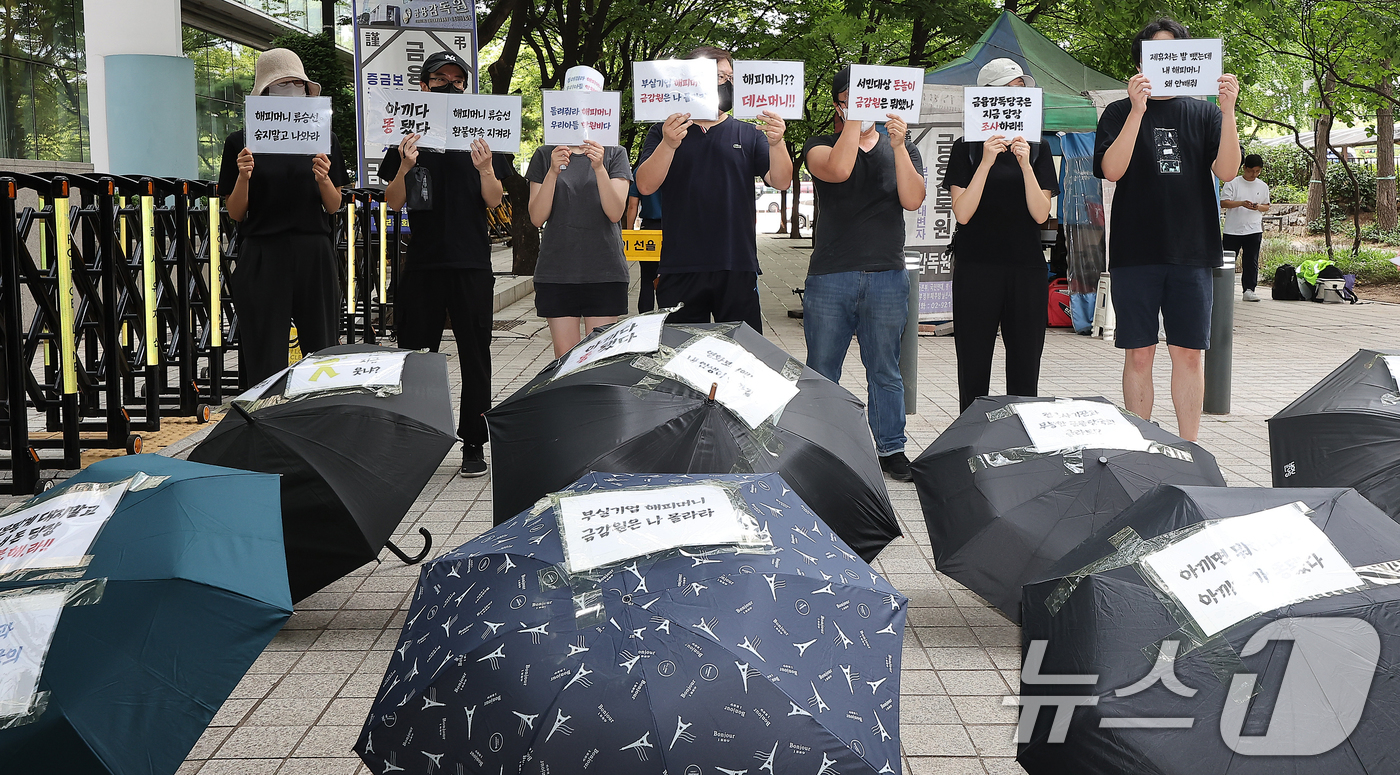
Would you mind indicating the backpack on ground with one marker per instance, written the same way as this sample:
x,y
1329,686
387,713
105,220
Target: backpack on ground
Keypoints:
x,y
1058,311
1286,284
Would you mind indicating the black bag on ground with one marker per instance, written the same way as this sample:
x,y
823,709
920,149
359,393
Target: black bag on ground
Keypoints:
x,y
1286,284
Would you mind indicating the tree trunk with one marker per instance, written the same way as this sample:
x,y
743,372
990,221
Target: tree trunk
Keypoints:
x,y
795,223
502,71
525,237
1322,136
1385,159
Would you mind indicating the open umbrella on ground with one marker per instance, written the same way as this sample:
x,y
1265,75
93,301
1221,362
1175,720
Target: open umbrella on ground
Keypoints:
x,y
626,414
352,461
1345,431
1234,677
701,659
185,587
999,512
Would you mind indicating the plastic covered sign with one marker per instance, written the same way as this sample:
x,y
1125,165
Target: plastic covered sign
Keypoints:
x,y
377,372
1059,425
56,531
28,618
640,334
742,383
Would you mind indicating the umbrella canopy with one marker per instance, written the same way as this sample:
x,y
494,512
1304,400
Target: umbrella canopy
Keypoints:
x,y
623,415
1000,514
783,659
1275,692
1344,432
195,588
352,463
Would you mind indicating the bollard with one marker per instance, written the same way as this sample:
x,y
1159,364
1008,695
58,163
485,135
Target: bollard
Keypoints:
x,y
909,345
1222,336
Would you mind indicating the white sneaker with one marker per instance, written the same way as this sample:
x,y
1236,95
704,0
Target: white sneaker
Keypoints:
x,y
1250,296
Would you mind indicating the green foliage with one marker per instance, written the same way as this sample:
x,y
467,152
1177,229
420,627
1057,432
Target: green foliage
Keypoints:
x,y
318,57
1342,192
1371,266
1288,193
1374,233
1284,165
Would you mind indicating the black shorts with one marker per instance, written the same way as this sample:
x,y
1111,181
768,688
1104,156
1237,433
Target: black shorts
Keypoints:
x,y
581,300
1182,294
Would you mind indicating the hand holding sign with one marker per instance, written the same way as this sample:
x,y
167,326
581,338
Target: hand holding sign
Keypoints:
x,y
1188,67
773,127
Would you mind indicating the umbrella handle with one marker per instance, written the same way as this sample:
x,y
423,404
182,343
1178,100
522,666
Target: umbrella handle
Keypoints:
x,y
714,388
427,547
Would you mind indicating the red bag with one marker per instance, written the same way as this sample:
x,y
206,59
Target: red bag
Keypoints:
x,y
1058,307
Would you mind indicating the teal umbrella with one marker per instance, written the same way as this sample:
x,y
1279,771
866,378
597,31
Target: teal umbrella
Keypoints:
x,y
195,587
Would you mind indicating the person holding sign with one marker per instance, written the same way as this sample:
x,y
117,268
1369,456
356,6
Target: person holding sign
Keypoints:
x,y
287,268
705,170
1164,235
448,271
857,284
1001,190
578,194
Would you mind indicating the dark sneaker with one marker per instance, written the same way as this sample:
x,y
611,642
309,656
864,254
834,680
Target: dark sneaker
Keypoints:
x,y
474,462
897,466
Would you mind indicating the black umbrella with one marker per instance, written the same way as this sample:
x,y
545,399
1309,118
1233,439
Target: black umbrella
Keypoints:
x,y
1317,669
621,415
1344,432
352,463
999,514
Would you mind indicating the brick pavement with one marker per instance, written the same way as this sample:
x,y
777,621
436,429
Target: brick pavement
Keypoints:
x,y
301,706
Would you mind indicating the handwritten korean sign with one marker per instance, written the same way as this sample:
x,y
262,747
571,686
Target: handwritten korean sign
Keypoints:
x,y
1242,566
28,619
1008,111
1057,425
663,87
57,532
880,89
747,387
1182,67
602,528
570,117
640,334
393,114
494,118
768,85
351,371
641,244
292,125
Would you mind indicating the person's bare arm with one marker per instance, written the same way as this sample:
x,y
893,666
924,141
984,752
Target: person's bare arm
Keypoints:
x,y
491,189
629,221
611,192
330,192
1227,157
833,163
652,172
779,162
1038,200
237,200
395,193
909,181
542,194
1120,153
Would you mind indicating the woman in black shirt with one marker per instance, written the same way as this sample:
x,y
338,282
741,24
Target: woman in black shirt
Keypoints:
x,y
1001,191
286,267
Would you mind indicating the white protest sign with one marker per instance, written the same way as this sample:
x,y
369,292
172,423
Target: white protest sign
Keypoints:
x,y
570,117
663,87
255,392
1239,567
1057,425
1002,110
761,85
293,125
640,334
1182,67
494,118
392,114
351,371
747,387
601,528
880,89
58,531
27,623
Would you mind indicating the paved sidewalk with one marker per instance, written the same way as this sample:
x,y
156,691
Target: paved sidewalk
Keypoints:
x,y
302,704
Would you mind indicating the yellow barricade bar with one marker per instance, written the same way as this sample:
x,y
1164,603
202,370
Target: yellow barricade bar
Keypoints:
x,y
642,244
216,281
148,272
68,351
350,258
383,252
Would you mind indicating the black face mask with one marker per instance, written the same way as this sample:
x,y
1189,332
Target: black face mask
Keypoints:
x,y
447,88
726,96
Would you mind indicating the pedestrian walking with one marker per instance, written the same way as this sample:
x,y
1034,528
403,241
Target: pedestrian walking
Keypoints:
x,y
1001,191
865,177
1164,234
287,271
448,268
649,209
705,171
579,195
1246,199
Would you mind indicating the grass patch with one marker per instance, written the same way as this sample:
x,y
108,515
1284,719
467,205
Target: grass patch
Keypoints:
x,y
1371,267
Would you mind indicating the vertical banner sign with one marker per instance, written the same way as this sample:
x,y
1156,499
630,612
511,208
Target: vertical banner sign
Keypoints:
x,y
216,280
929,230
68,352
1182,67
290,125
393,38
148,273
878,90
570,117
1009,111
494,118
762,85
663,87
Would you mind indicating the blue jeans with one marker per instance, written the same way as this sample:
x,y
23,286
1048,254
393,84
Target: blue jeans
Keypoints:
x,y
874,306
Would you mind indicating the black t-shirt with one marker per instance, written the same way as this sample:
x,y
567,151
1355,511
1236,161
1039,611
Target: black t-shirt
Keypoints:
x,y
1164,208
1002,231
709,193
282,193
453,234
862,224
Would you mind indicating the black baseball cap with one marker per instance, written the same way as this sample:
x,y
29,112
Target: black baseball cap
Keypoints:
x,y
841,82
438,59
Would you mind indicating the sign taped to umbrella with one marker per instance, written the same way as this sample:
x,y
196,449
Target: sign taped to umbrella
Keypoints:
x,y
639,334
29,617
1060,425
380,373
742,383
1392,362
57,531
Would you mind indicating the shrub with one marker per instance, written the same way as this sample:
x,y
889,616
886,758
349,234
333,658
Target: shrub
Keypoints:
x,y
1374,233
1284,165
1370,267
1288,193
1341,192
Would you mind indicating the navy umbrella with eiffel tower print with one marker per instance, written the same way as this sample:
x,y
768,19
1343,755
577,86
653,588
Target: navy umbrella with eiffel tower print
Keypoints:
x,y
625,626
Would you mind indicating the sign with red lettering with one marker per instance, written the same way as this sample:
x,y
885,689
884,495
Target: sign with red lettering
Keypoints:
x,y
878,90
664,87
764,85
570,117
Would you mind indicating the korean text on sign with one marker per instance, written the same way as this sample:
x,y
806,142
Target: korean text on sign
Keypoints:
x,y
58,531
877,90
602,528
1060,425
768,85
393,114
570,117
663,87
641,244
28,618
372,371
1182,67
640,334
494,118
293,125
743,384
1008,111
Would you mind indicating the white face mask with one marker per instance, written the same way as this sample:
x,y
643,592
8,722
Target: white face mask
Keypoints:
x,y
286,90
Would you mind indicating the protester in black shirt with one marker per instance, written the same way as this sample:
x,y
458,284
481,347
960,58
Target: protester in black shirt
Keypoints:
x,y
1001,191
1164,234
448,271
286,269
857,284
